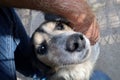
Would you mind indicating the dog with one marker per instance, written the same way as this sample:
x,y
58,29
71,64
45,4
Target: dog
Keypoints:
x,y
66,52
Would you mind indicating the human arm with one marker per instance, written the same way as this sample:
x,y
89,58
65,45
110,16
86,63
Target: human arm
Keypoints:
x,y
77,12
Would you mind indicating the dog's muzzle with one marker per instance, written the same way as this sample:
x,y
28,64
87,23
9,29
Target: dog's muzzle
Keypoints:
x,y
69,48
75,42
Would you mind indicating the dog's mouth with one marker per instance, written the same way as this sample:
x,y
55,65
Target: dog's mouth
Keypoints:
x,y
74,60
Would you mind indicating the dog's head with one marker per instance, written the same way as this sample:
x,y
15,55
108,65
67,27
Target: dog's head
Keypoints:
x,y
56,44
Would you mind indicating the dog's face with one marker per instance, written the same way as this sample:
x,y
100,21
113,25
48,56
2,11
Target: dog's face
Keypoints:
x,y
56,44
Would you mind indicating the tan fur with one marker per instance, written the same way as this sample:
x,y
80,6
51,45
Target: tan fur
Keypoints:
x,y
74,72
66,66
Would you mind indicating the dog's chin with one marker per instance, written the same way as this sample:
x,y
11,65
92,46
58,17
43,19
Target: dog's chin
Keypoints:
x,y
69,62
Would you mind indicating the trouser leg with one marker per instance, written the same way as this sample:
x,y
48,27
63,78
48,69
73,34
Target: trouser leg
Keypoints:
x,y
7,47
13,39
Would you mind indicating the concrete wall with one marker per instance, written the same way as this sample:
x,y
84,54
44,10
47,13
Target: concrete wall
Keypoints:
x,y
108,15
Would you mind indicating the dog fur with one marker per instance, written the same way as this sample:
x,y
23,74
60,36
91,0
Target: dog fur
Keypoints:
x,y
49,42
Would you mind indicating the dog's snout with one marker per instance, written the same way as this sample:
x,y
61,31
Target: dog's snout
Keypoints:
x,y
75,42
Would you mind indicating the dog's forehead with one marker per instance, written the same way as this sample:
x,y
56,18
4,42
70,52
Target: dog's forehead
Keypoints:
x,y
39,37
49,28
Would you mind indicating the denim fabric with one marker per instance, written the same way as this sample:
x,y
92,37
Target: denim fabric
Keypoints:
x,y
13,42
7,47
99,75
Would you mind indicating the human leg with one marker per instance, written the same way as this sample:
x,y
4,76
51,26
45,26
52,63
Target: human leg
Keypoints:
x,y
99,75
7,47
23,51
13,39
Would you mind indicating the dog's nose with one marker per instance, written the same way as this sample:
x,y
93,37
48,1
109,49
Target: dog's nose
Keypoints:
x,y
75,42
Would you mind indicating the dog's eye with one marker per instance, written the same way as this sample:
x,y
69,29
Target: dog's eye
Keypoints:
x,y
42,49
59,26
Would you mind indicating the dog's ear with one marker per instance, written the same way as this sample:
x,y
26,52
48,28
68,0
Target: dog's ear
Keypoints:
x,y
55,18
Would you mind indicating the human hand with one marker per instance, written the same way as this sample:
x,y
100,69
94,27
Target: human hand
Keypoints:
x,y
79,14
